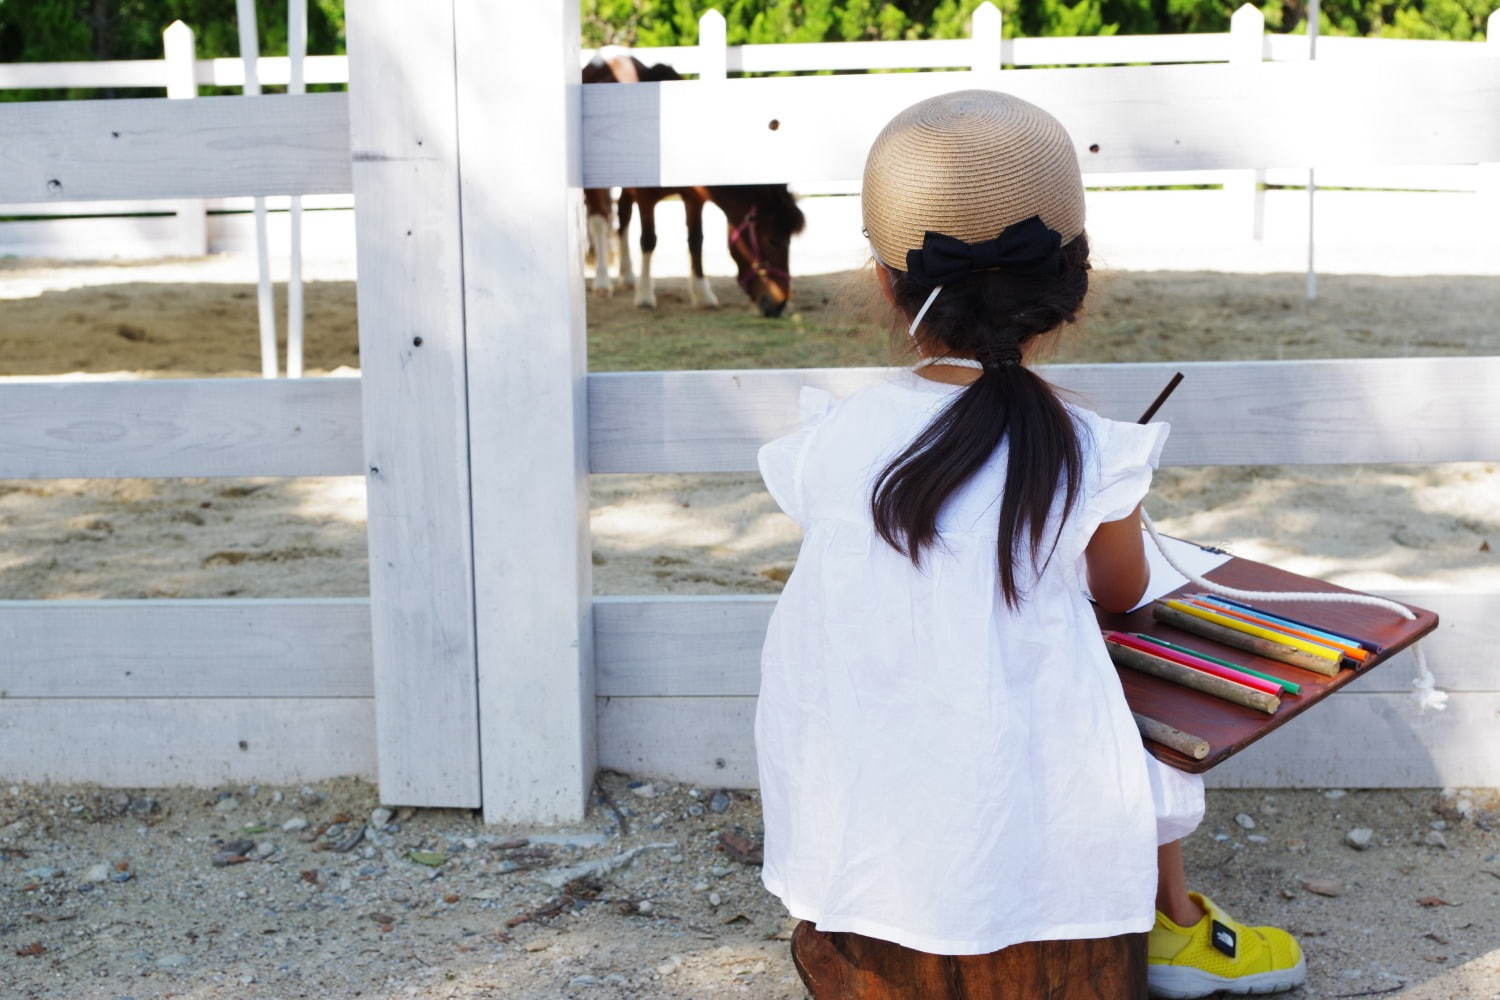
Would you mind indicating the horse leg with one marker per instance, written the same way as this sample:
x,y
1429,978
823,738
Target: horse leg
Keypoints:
x,y
699,290
645,294
622,237
597,200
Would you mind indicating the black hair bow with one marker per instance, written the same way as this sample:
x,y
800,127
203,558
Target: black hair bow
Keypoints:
x,y
1027,247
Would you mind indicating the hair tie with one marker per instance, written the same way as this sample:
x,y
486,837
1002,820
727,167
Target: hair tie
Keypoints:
x,y
994,356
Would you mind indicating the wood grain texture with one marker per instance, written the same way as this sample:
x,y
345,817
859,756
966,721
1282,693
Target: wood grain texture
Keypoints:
x,y
200,742
411,347
1224,413
1376,741
842,965
706,741
1359,741
1137,118
239,648
179,427
526,369
702,646
159,148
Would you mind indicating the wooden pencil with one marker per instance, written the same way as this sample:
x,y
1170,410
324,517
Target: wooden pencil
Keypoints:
x,y
1176,673
1169,736
1241,640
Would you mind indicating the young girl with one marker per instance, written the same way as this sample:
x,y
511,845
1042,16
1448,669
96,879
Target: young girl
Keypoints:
x,y
947,761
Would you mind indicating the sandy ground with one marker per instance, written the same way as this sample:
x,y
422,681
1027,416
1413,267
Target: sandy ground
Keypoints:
x,y
179,926
109,893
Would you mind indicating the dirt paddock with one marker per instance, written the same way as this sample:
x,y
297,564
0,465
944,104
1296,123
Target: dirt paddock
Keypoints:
x,y
110,893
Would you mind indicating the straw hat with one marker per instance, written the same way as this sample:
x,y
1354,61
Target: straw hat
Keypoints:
x,y
967,165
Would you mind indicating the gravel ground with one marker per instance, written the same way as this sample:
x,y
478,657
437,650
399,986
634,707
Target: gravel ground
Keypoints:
x,y
283,892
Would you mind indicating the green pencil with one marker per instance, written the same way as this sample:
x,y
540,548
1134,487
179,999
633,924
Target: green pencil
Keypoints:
x,y
1286,686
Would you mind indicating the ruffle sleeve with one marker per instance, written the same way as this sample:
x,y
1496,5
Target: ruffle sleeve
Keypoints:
x,y
1125,455
781,460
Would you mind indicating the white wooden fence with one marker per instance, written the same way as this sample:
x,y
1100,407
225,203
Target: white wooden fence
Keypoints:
x,y
1247,41
490,673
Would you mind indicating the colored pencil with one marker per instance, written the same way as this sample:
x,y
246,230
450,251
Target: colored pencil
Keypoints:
x,y
1286,685
1230,673
1333,656
1355,653
1176,673
1364,644
1187,744
1240,640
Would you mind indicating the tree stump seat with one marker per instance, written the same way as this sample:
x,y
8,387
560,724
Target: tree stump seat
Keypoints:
x,y
841,965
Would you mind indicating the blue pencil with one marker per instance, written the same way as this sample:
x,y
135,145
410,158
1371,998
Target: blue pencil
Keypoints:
x,y
1283,619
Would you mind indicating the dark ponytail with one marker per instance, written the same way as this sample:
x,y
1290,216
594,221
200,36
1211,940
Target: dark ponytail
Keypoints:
x,y
989,315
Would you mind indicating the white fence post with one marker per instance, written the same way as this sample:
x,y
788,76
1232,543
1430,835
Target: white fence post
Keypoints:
x,y
1313,8
296,49
1245,188
527,374
265,308
1488,182
178,49
404,145
985,34
713,46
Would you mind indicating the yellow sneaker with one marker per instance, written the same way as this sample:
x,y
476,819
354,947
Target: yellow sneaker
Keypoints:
x,y
1220,953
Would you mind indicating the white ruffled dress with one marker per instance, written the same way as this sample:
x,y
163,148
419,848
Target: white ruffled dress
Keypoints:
x,y
937,769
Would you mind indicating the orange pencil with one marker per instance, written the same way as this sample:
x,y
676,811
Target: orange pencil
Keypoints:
x,y
1354,652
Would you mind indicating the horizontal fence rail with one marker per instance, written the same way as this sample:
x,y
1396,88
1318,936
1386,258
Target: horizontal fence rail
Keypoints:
x,y
153,73
1224,413
236,648
199,742
709,646
156,148
215,690
180,427
1202,117
1360,740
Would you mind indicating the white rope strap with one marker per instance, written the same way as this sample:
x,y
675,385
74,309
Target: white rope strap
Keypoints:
x,y
1424,685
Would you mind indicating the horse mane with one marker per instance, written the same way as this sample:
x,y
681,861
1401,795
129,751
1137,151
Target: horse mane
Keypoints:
x,y
783,207
657,73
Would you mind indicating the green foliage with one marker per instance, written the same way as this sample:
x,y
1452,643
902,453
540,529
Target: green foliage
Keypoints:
x,y
68,30
675,22
65,30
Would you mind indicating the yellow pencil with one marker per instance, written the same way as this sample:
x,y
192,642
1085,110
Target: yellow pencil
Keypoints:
x,y
1333,656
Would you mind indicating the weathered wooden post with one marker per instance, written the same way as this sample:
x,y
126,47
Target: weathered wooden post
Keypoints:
x,y
182,84
521,174
404,144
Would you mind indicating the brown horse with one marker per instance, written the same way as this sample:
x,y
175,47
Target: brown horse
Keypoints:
x,y
762,219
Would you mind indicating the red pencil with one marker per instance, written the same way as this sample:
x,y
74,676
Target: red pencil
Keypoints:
x,y
1188,660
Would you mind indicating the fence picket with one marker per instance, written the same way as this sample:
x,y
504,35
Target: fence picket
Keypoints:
x,y
1247,38
192,214
713,47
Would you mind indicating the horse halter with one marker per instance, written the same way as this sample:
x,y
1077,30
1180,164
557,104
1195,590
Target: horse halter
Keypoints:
x,y
743,236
